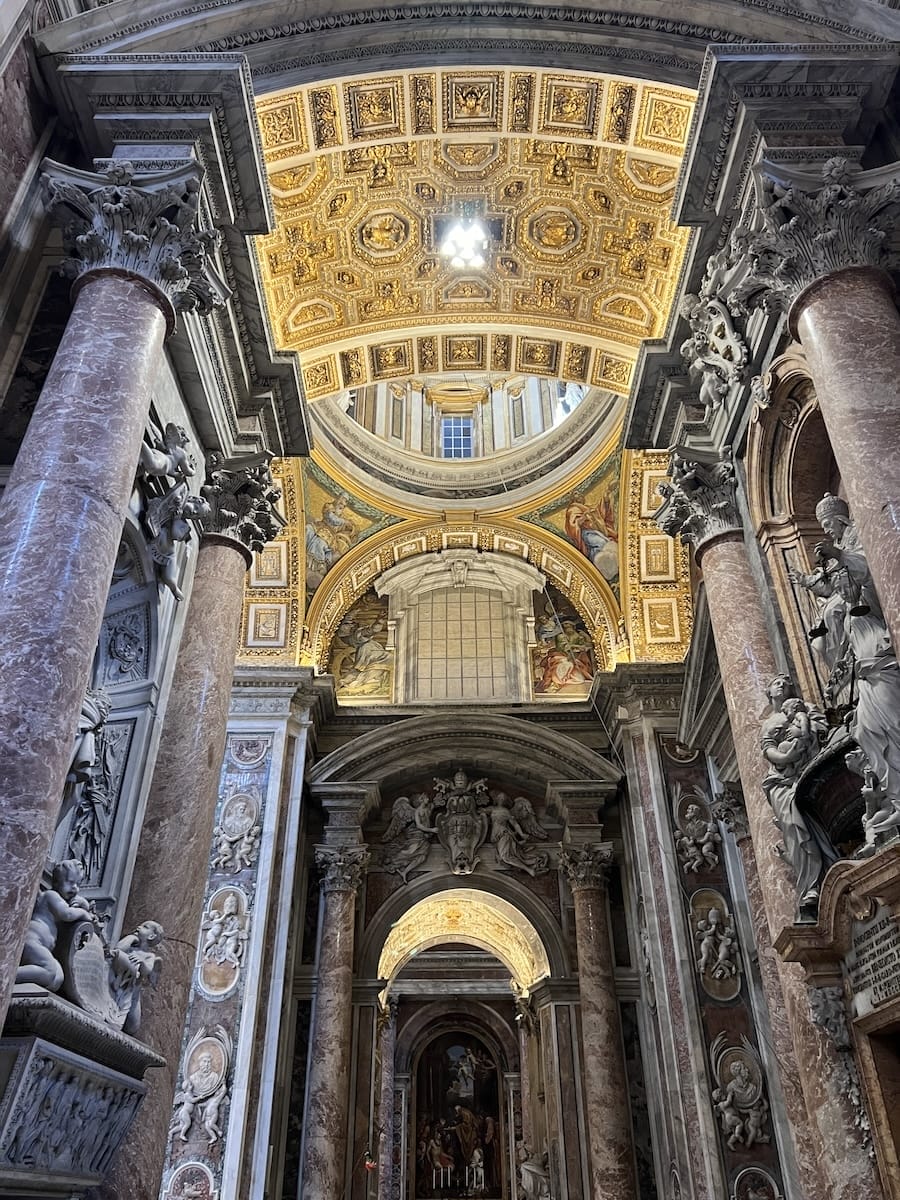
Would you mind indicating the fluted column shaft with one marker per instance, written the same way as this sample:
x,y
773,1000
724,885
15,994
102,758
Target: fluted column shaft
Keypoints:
x,y
747,665
61,520
605,1085
385,1150
327,1096
849,328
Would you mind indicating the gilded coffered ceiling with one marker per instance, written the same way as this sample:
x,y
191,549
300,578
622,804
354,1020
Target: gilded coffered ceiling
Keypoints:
x,y
573,175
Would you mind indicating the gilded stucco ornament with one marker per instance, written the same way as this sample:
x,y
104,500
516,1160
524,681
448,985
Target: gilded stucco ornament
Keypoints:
x,y
699,497
145,225
807,226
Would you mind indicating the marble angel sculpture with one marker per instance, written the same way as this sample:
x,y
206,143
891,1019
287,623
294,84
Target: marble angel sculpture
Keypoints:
x,y
790,740
856,646
408,834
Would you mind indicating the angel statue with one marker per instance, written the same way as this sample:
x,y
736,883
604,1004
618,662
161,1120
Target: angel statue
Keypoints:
x,y
523,811
409,833
168,519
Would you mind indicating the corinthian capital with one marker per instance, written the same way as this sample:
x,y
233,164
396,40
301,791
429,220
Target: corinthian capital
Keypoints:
x,y
342,867
699,498
810,225
242,499
586,866
148,228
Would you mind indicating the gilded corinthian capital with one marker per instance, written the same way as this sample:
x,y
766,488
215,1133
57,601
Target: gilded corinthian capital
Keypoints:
x,y
146,226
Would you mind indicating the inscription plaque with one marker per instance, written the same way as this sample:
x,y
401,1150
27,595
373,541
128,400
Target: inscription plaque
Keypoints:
x,y
873,962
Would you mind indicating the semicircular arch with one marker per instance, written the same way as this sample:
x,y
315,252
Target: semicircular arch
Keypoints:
x,y
561,563
430,1021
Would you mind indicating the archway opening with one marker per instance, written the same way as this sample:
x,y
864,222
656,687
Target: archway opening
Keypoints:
x,y
470,917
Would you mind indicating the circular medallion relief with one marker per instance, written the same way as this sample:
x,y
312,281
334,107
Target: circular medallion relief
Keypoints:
x,y
554,229
384,233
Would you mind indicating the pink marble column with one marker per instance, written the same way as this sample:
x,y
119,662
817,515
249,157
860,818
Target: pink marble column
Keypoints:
x,y
849,327
747,664
327,1094
608,1114
387,1045
62,512
61,521
172,861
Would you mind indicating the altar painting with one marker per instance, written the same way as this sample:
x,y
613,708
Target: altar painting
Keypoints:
x,y
458,1142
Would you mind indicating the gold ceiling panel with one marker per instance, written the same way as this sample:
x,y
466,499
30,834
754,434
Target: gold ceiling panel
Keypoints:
x,y
574,174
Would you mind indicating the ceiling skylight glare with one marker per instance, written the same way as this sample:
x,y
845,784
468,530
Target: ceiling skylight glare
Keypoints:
x,y
465,244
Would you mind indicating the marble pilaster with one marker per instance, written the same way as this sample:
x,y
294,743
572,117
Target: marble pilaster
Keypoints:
x,y
73,476
747,664
325,1134
387,1044
820,255
606,1089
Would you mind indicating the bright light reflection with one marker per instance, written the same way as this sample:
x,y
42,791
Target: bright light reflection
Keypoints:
x,y
465,244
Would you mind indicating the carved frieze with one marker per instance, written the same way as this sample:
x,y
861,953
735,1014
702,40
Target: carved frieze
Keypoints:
x,y
67,1116
236,837
716,945
225,930
697,839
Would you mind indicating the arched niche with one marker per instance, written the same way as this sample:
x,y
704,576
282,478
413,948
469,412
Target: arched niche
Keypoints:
x,y
790,466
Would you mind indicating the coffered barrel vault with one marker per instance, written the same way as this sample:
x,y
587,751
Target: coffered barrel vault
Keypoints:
x,y
573,176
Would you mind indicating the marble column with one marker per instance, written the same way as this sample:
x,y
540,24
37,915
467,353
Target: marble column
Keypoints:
x,y
820,255
62,511
701,505
327,1099
526,1022
172,861
607,1110
387,1045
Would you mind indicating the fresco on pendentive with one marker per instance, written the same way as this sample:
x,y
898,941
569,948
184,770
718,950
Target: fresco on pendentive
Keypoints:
x,y
562,660
362,666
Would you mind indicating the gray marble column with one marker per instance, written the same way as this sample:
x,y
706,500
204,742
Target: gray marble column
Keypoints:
x,y
526,1022
137,258
327,1099
608,1112
172,861
820,255
701,505
387,1044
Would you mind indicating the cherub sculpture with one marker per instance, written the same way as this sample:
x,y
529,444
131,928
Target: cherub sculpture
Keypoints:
x,y
59,905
